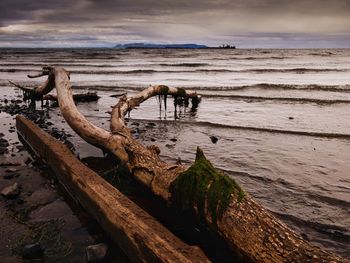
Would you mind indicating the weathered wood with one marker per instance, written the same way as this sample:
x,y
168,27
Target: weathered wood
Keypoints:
x,y
141,237
38,92
247,227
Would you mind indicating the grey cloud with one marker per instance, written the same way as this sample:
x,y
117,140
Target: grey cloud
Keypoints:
x,y
166,20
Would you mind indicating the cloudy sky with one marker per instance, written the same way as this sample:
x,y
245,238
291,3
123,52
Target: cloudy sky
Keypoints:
x,y
244,23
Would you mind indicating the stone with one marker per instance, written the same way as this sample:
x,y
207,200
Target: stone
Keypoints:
x,y
32,251
11,176
4,142
11,191
96,253
214,139
3,150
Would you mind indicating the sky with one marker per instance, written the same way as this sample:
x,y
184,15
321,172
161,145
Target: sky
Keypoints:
x,y
243,23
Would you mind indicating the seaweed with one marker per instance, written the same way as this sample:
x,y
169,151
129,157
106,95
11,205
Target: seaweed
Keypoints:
x,y
203,189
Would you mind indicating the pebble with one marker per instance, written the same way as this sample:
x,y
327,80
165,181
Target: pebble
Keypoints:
x,y
11,191
11,175
4,142
214,139
32,251
95,253
3,150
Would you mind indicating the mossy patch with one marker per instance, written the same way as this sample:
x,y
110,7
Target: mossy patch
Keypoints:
x,y
204,189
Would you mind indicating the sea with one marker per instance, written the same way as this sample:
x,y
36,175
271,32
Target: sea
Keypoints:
x,y
281,118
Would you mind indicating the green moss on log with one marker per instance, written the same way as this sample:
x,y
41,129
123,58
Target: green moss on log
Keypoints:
x,y
204,189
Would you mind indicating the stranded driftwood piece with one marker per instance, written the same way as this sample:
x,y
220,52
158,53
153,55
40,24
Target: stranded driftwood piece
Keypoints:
x,y
85,97
247,227
41,92
141,237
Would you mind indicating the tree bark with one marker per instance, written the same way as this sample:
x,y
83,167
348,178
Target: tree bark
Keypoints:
x,y
247,227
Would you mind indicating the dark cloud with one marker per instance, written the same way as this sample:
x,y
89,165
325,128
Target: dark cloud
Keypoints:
x,y
210,22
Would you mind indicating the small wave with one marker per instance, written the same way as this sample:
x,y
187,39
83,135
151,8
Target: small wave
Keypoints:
x,y
285,99
12,70
329,200
214,70
264,58
136,71
274,70
312,87
258,129
336,232
184,64
64,64
323,54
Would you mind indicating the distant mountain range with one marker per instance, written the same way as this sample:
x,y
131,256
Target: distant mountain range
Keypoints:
x,y
146,45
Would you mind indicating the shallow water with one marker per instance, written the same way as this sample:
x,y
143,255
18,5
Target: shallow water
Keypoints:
x,y
281,116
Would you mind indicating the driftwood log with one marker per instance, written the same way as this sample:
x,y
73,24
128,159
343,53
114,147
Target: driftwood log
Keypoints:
x,y
140,236
248,228
41,92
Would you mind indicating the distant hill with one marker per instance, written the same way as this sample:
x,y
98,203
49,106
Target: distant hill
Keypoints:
x,y
145,45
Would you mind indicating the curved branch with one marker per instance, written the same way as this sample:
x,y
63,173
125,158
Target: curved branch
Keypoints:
x,y
127,104
247,227
38,92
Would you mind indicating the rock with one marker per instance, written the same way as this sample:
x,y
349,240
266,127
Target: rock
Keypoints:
x,y
32,251
291,118
20,148
95,253
4,142
11,175
173,139
11,191
214,139
3,150
11,170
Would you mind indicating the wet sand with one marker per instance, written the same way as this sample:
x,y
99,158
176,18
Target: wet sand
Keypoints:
x,y
40,210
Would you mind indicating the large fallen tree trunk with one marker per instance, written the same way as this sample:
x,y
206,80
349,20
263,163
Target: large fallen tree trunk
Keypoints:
x,y
142,237
248,228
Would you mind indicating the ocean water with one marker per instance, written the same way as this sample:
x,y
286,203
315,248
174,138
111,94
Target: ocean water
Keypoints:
x,y
282,119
